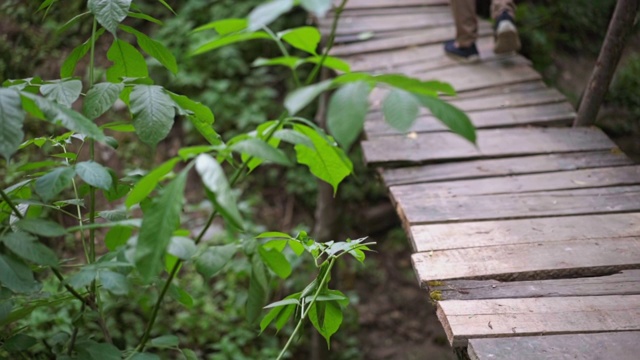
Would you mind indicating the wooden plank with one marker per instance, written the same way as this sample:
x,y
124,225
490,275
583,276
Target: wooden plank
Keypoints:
x,y
475,319
626,282
500,167
434,147
364,24
349,13
551,114
529,261
525,231
501,71
414,194
366,4
596,346
408,39
395,60
524,87
525,205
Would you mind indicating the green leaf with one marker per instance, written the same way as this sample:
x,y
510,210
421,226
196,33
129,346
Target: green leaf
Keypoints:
x,y
142,16
280,314
214,180
69,66
109,13
19,343
154,49
89,349
82,278
148,183
164,3
181,296
182,247
325,160
300,98
160,220
229,39
331,63
266,13
261,150
64,92
153,113
52,183
326,317
101,98
114,282
42,227
200,116
117,236
273,234
28,248
225,26
165,341
275,261
213,259
347,111
318,7
258,290
305,38
293,137
11,120
456,120
94,174
189,354
400,109
291,62
67,117
15,275
127,62
145,356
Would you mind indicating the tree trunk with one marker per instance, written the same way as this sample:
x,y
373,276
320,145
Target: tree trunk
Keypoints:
x,y
619,29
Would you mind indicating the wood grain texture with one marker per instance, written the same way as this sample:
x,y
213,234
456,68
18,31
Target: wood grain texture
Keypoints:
x,y
475,319
530,261
563,180
597,346
524,205
524,231
626,282
366,4
393,22
550,114
501,167
436,147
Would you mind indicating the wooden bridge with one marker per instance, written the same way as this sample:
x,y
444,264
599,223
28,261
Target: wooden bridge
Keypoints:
x,y
529,242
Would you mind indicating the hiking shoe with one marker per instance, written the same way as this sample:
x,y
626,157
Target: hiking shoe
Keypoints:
x,y
506,37
467,54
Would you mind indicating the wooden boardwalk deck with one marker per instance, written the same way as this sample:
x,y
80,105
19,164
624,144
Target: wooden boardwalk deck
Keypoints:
x,y
529,242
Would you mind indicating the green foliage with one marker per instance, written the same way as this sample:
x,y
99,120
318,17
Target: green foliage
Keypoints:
x,y
626,86
144,219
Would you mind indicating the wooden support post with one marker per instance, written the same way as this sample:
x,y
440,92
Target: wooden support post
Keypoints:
x,y
619,30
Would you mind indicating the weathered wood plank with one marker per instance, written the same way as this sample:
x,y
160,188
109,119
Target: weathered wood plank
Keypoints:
x,y
500,167
525,205
596,346
524,231
475,319
549,114
525,87
626,282
349,13
363,24
529,261
408,39
366,4
433,147
408,195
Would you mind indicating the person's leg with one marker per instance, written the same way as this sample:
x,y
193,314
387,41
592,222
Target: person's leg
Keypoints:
x,y
463,47
464,15
506,34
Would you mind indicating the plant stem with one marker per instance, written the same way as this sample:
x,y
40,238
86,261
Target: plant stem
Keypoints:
x,y
325,278
92,154
330,42
284,52
11,204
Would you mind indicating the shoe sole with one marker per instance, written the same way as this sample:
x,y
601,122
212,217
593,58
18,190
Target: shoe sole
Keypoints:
x,y
507,39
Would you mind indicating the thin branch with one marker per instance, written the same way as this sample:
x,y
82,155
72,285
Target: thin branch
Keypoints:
x,y
330,42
